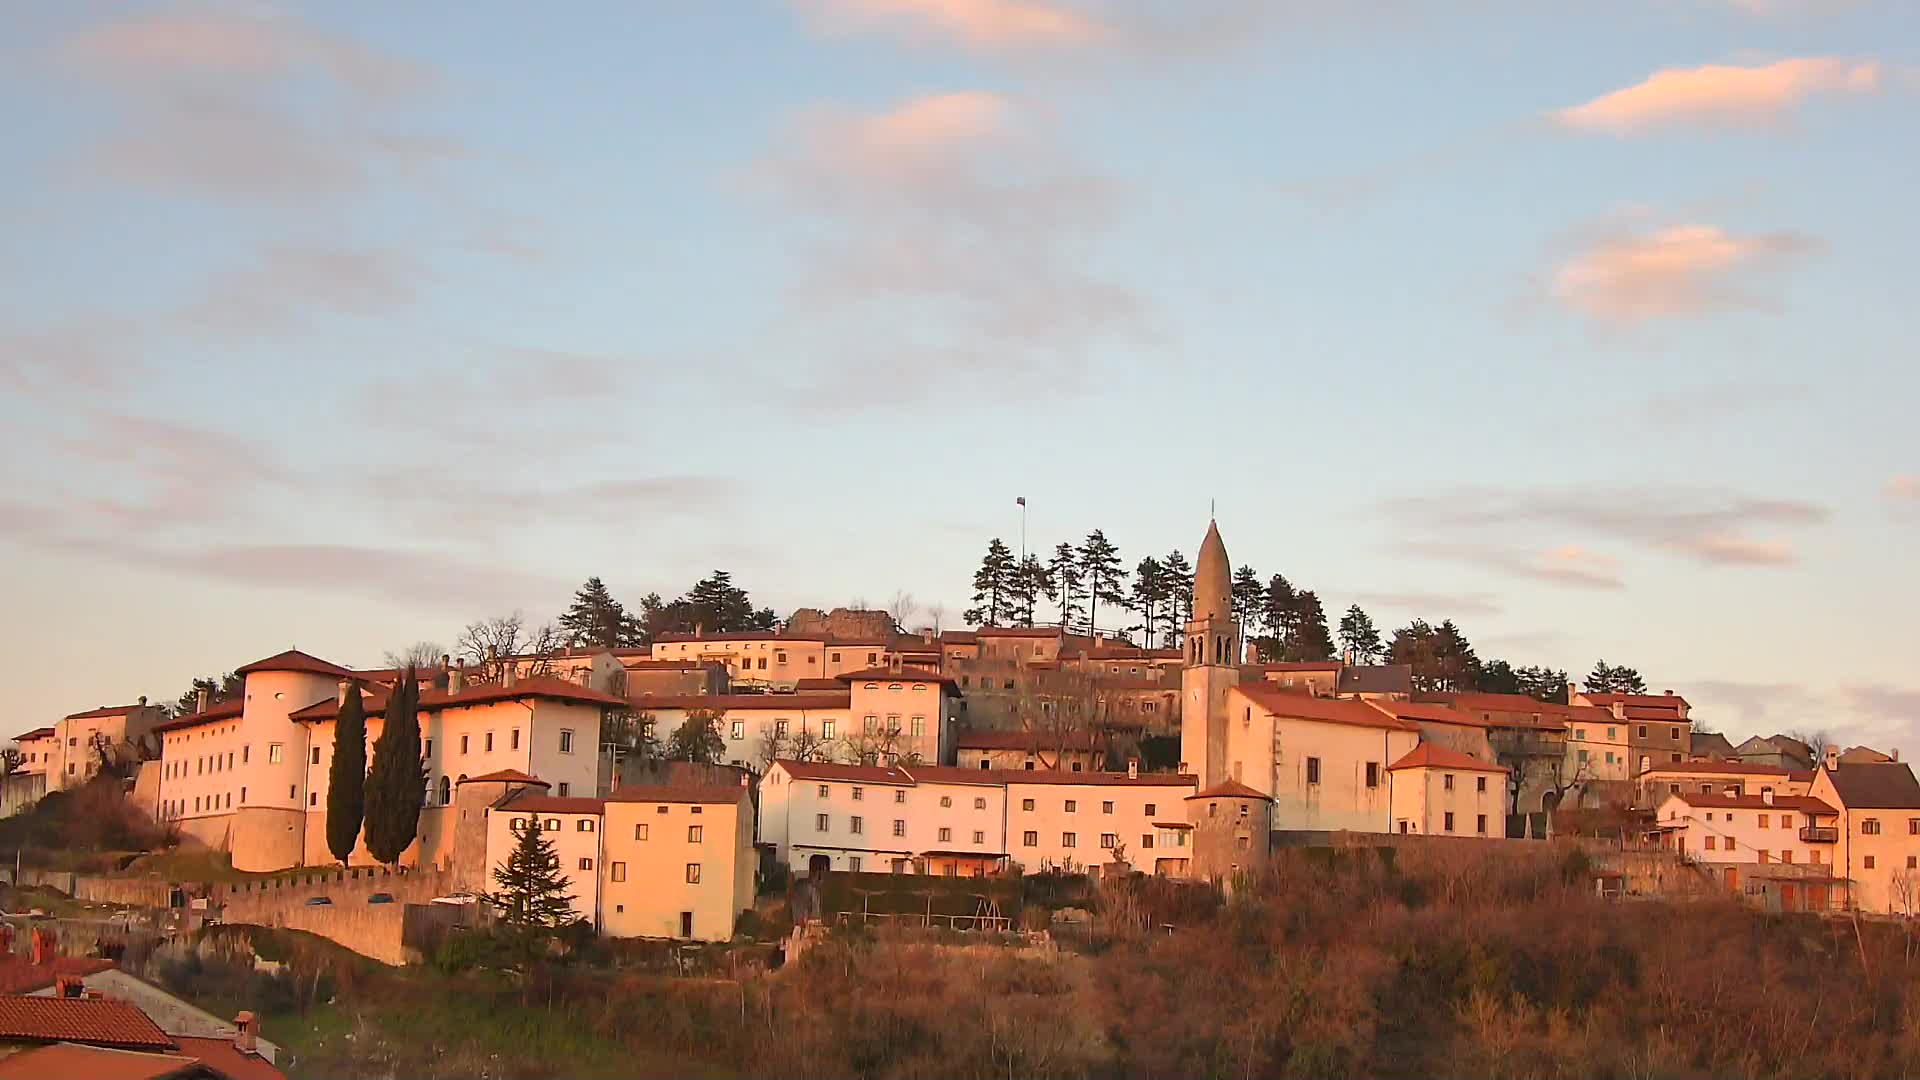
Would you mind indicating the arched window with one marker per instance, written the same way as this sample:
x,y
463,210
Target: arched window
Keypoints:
x,y
446,790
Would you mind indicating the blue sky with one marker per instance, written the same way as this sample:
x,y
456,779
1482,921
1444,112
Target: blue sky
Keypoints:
x,y
1584,324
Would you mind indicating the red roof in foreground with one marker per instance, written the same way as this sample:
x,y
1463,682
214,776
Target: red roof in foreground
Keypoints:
x,y
18,975
504,776
1716,801
226,1059
96,1063
297,661
97,1021
1230,789
1434,756
375,698
226,710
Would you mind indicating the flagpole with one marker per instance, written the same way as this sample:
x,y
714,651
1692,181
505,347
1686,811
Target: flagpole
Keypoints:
x,y
1022,500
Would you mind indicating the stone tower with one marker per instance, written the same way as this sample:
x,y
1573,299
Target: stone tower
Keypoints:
x,y
1211,666
1232,831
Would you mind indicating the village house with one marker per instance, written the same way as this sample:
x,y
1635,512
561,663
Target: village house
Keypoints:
x,y
1066,750
767,659
1437,791
1783,751
1658,727
1722,777
1442,725
1322,760
1745,839
27,783
905,818
1876,839
68,754
1061,821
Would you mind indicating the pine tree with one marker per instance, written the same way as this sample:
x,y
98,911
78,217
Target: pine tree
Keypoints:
x,y
1358,635
1030,582
1064,571
532,892
1100,569
1544,683
1247,595
1607,679
397,784
1151,591
1458,668
992,586
716,605
347,777
697,738
1310,638
1179,594
1281,618
596,619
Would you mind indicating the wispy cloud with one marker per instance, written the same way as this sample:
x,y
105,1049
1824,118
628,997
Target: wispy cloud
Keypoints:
x,y
72,356
1439,605
1679,270
257,43
947,237
1904,488
983,24
1690,406
1720,95
1482,525
286,285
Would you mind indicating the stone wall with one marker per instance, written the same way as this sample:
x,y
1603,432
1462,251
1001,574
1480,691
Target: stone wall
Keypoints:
x,y
259,901
850,623
372,930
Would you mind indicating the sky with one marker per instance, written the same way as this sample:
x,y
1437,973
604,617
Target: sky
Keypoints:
x,y
1586,325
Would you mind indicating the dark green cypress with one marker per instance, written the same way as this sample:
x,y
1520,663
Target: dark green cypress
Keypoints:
x,y
347,777
398,783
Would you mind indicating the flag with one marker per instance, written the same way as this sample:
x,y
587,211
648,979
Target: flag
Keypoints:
x,y
1022,500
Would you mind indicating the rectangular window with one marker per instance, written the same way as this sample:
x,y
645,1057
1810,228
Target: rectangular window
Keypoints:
x,y
1152,809
314,757
640,831
1446,781
820,823
1146,840
313,798
779,729
273,753
566,740
899,796
1026,804
946,835
583,825
693,869
426,747
946,800
1765,819
853,863
1868,862
513,742
856,825
617,872
1710,843
463,743
1479,783
1106,807
919,728
1073,806
695,833
1786,855
1109,841
1373,774
1449,821
737,730
1730,844
899,827
1870,827
1913,826
859,794
979,837
1030,838
1067,839
826,729
980,804
563,789
586,864
869,724
489,742
1480,824
245,752
1313,770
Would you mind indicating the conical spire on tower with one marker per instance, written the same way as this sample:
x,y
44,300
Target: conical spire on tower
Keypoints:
x,y
1213,579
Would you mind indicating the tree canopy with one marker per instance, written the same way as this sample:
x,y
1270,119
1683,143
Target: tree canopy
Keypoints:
x,y
1606,678
596,619
347,777
530,889
697,738
397,784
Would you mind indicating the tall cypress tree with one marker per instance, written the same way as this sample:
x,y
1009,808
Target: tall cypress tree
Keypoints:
x,y
347,777
398,783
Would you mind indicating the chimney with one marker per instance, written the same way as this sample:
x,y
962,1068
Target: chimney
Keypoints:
x,y
743,778
6,939
1833,757
340,699
143,701
456,680
1573,691
1669,693
1619,709
1894,754
1766,796
68,986
1133,768
43,947
244,1036
509,675
200,700
893,663
446,661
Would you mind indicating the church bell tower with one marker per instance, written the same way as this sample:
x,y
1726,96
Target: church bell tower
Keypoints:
x,y
1211,665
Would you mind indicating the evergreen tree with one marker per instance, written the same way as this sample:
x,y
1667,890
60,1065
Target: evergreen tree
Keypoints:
x,y
1247,600
1544,683
397,784
1281,618
1179,595
1310,638
1441,658
596,619
697,738
219,688
1359,637
1607,679
1030,583
347,777
1459,667
1064,571
1101,570
532,891
1151,591
716,605
1498,677
993,586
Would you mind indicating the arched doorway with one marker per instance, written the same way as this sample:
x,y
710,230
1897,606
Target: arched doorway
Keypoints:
x,y
446,790
818,865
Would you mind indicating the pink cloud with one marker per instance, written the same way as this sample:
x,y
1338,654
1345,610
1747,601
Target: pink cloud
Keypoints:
x,y
1904,488
188,42
1720,94
1674,271
984,24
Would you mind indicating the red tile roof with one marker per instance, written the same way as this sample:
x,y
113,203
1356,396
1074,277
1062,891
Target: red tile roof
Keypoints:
x,y
1666,716
18,975
297,661
707,794
375,698
817,686
1294,705
1231,789
36,733
959,637
905,674
1666,701
1730,768
73,1061
1301,665
96,1021
528,802
1434,756
226,710
672,665
504,776
1017,631
1431,712
738,635
830,770
1099,779
1716,800
744,702
106,710
223,1057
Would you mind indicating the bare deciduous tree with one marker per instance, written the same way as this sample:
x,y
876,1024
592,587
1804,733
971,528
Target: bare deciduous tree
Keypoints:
x,y
490,643
935,613
420,654
901,607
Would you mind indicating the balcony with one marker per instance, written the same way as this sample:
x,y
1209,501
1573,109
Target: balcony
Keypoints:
x,y
1819,834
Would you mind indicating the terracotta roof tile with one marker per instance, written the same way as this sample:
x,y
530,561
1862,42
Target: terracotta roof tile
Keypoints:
x,y
1876,785
226,710
504,776
297,661
1434,756
1730,768
1656,700
1230,789
528,802
75,1062
18,975
1283,702
226,1059
1431,712
1300,665
1098,779
36,733
374,698
744,702
105,711
1717,800
96,1021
